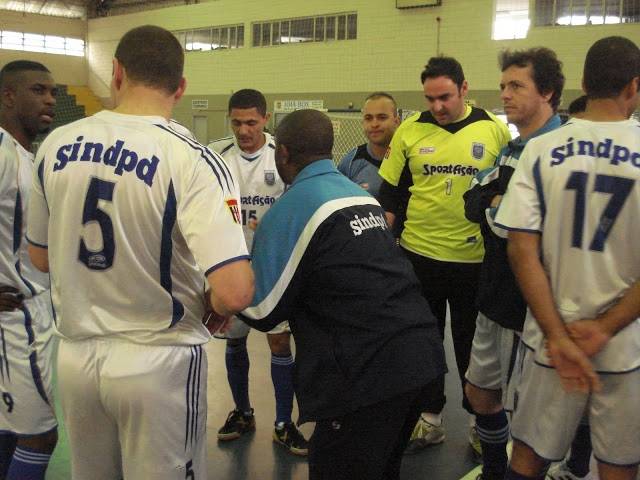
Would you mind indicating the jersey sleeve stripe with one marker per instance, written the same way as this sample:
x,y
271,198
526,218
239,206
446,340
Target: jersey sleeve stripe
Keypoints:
x,y
35,244
226,149
513,229
537,178
208,156
229,260
166,251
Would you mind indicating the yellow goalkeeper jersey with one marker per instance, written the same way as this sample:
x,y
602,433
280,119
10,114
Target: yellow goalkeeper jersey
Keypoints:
x,y
443,159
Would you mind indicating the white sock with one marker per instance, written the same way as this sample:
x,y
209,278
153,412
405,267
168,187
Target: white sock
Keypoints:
x,y
432,418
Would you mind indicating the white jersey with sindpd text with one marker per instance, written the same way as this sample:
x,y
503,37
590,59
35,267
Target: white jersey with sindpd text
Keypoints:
x,y
579,187
132,213
16,175
260,184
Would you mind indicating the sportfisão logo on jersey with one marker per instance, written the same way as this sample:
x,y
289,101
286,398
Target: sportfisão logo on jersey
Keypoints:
x,y
122,159
257,200
459,170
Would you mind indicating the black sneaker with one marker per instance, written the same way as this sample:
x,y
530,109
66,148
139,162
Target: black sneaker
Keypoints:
x,y
291,438
237,423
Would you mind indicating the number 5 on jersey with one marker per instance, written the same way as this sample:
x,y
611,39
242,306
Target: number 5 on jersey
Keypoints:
x,y
101,259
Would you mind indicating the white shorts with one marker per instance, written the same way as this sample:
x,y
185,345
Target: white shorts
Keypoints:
x,y
26,346
134,411
238,329
546,417
493,356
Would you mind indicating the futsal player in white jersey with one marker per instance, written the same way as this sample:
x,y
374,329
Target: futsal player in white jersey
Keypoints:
x,y
127,214
28,427
250,155
572,208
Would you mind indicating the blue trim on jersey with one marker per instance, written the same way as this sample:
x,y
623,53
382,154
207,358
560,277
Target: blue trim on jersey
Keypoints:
x,y
35,244
166,253
222,264
33,359
512,229
4,360
305,200
537,178
27,283
17,223
17,240
204,153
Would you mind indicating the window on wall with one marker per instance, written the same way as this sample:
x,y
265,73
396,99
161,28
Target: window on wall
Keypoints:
x,y
322,28
35,42
586,12
511,19
211,38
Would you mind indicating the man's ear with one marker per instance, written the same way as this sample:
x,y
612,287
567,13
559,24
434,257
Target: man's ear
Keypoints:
x,y
117,74
7,97
181,89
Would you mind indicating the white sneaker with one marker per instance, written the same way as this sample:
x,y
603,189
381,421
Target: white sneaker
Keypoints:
x,y
474,442
560,471
424,434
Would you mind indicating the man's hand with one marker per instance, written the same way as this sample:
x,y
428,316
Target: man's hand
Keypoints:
x,y
10,298
573,366
214,322
364,185
590,335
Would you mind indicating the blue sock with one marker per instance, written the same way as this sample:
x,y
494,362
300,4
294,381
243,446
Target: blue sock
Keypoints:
x,y
28,464
578,462
493,431
282,377
237,361
511,475
7,447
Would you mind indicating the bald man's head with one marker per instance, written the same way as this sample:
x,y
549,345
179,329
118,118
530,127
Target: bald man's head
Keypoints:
x,y
303,137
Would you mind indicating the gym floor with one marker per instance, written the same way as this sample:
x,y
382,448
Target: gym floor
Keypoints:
x,y
256,457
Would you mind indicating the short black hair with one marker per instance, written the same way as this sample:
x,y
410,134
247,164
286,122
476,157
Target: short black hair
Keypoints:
x,y
545,66
307,134
379,95
248,98
152,56
7,74
579,105
443,67
611,63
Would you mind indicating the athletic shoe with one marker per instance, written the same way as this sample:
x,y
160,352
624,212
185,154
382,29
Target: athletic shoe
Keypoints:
x,y
560,471
424,434
474,442
290,437
237,424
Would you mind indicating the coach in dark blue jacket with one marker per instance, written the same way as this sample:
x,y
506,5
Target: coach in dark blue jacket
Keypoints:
x,y
366,351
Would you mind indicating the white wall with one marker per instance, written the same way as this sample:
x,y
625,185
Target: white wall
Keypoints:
x,y
392,46
66,69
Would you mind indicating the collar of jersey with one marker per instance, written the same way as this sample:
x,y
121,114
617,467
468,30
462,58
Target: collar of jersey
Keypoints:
x,y
553,123
250,157
130,116
319,167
